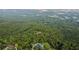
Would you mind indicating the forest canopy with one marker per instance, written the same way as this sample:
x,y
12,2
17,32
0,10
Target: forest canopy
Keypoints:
x,y
28,29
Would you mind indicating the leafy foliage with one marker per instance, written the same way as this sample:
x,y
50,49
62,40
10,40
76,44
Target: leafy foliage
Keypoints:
x,y
27,32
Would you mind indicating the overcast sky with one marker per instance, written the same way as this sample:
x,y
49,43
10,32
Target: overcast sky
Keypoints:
x,y
39,4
